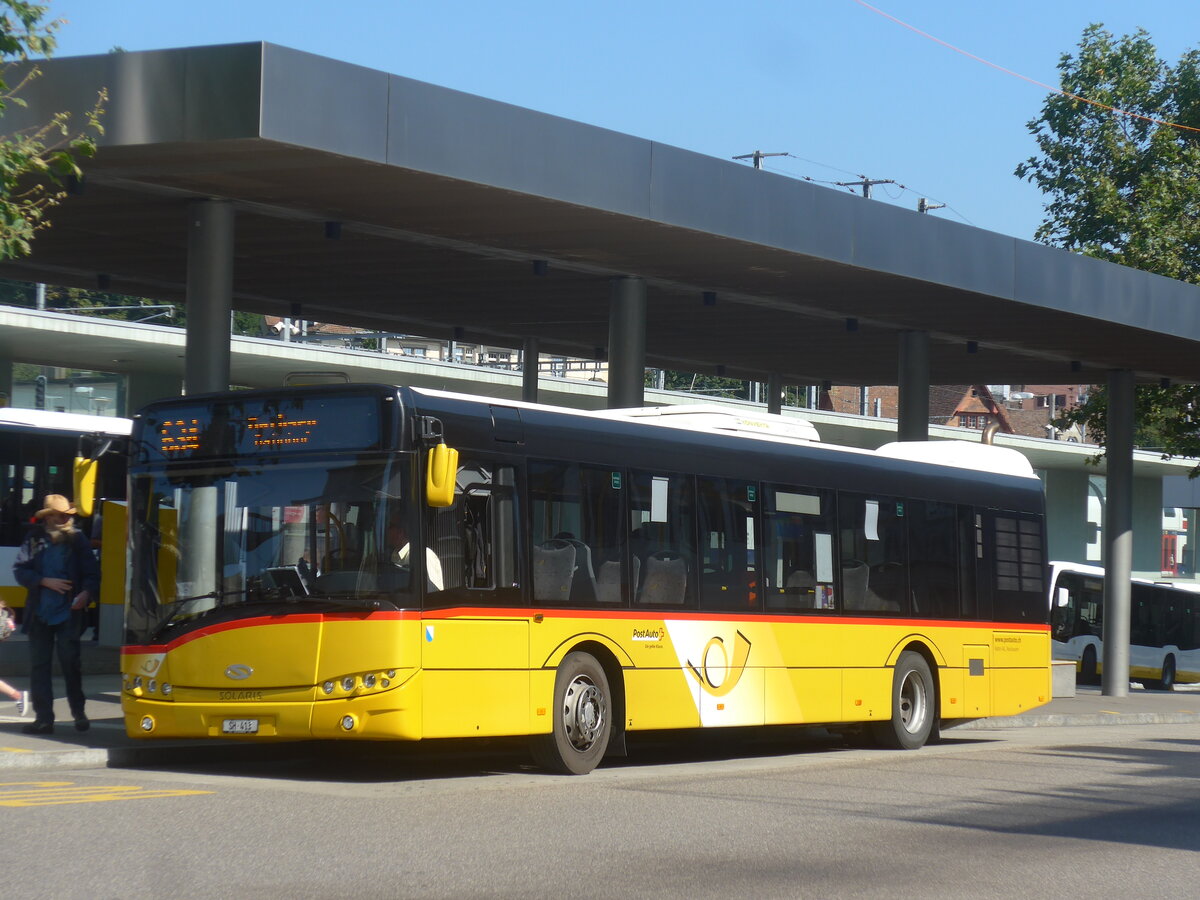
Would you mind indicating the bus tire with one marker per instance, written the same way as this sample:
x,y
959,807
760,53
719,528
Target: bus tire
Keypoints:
x,y
1167,681
1087,666
913,698
582,722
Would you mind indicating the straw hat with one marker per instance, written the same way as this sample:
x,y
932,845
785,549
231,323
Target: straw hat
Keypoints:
x,y
55,503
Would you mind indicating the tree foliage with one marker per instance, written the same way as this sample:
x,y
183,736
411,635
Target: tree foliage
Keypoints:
x,y
1122,181
35,163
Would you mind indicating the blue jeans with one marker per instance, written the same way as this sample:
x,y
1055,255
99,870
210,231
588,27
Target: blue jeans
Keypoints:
x,y
42,641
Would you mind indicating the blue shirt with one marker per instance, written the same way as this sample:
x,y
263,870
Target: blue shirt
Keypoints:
x,y
55,608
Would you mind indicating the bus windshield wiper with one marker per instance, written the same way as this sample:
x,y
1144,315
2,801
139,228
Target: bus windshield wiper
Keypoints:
x,y
218,595
345,598
178,610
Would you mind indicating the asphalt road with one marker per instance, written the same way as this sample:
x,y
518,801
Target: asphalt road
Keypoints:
x,y
1018,812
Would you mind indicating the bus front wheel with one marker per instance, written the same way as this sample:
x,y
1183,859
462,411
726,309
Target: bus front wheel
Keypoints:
x,y
913,708
582,721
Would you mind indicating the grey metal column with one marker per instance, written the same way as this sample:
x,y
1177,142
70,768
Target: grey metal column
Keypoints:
x,y
209,295
774,394
913,416
6,381
145,387
626,343
1118,534
529,371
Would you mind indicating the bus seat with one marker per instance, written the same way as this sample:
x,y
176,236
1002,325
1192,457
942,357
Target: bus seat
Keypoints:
x,y
553,571
801,588
583,584
854,585
666,580
608,580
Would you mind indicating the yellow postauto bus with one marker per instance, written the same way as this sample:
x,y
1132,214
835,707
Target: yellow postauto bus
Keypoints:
x,y
382,563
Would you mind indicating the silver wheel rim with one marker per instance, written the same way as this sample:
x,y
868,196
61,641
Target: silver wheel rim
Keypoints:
x,y
584,712
913,702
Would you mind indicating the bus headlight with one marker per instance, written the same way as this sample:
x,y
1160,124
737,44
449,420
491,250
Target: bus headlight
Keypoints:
x,y
348,683
167,689
327,687
348,723
152,686
147,724
369,681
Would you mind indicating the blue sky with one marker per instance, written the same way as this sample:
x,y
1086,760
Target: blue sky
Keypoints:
x,y
844,90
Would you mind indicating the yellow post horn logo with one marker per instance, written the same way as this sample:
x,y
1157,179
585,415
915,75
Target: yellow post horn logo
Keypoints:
x,y
731,673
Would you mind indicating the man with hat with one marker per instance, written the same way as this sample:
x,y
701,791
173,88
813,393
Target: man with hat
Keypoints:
x,y
57,567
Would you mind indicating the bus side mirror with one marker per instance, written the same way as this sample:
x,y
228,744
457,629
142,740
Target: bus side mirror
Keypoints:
x,y
85,485
1064,597
440,475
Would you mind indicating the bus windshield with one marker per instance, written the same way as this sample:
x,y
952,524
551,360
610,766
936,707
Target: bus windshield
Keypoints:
x,y
229,540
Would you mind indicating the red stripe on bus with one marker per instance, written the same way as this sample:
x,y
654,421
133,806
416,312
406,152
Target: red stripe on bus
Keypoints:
x,y
484,612
262,621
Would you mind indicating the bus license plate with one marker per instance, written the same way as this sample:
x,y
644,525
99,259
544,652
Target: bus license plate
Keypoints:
x,y
239,726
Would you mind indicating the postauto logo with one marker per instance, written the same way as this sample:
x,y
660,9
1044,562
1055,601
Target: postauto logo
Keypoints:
x,y
718,673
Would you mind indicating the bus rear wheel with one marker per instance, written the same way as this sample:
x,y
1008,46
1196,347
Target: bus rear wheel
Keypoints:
x,y
582,721
912,705
1087,667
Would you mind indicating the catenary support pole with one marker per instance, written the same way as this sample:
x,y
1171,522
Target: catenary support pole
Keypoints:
x,y
529,370
626,343
1118,534
774,394
209,295
913,415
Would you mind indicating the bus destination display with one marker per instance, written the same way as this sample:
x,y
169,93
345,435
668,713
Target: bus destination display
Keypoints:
x,y
262,425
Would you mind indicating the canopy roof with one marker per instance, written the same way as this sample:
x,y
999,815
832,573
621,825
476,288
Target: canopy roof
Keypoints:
x,y
460,216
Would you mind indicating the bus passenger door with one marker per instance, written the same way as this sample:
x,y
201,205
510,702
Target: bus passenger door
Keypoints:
x,y
474,651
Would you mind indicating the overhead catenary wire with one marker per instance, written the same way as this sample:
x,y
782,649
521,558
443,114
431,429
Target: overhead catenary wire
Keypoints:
x,y
774,167
1033,81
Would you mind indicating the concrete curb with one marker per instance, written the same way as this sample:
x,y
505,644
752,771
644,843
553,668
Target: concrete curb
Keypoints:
x,y
120,757
77,758
1181,718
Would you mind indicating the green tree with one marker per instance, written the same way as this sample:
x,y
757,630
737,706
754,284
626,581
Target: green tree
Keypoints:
x,y
36,163
1119,162
711,385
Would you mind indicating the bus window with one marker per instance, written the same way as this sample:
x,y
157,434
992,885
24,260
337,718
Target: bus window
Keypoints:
x,y
970,559
1189,625
575,533
726,510
1020,566
798,548
662,542
933,558
873,553
32,465
474,539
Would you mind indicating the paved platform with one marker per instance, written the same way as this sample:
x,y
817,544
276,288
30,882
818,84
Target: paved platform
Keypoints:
x,y
106,744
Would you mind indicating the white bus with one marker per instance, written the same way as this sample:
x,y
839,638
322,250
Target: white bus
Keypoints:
x,y
37,454
1164,627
